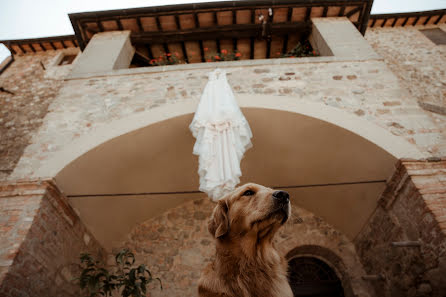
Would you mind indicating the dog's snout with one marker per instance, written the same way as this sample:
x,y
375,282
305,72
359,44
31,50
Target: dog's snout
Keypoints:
x,y
281,196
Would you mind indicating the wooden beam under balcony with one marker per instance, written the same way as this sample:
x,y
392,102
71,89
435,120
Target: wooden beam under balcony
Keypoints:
x,y
218,32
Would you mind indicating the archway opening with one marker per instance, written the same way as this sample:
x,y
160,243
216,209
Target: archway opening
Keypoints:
x,y
327,169
312,277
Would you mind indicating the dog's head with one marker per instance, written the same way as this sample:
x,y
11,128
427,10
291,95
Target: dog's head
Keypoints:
x,y
251,211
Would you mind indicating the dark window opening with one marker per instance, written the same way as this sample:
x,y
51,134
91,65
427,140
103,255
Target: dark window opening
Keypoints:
x,y
436,35
67,59
311,277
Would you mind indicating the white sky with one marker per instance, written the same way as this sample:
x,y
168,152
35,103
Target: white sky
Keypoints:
x,y
21,19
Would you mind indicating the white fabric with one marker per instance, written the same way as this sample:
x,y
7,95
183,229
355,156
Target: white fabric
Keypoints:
x,y
223,135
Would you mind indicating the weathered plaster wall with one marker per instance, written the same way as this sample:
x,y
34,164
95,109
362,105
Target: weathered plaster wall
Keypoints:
x,y
176,246
418,62
22,113
365,89
413,208
41,239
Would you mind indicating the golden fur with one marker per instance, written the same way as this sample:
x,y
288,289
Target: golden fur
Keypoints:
x,y
246,263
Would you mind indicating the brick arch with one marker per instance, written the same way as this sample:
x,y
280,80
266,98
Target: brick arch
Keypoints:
x,y
395,145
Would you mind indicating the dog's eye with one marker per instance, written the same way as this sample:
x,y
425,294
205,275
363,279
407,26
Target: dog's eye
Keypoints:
x,y
248,193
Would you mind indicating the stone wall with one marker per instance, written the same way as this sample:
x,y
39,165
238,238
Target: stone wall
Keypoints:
x,y
413,208
418,62
364,89
41,239
23,111
176,246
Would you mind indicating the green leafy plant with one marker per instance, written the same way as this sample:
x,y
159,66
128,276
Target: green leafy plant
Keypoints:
x,y
129,281
300,50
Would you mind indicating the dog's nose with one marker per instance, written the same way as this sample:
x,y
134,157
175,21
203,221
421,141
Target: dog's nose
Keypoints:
x,y
281,196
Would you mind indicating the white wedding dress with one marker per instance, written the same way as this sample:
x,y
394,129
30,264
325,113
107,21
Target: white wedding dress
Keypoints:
x,y
223,135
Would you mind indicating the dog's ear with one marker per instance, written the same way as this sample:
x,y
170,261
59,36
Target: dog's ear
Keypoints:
x,y
218,224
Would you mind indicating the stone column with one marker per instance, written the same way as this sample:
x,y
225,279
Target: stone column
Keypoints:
x,y
41,237
405,239
106,51
339,37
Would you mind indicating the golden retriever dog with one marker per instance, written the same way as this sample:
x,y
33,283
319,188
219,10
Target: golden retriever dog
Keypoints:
x,y
246,263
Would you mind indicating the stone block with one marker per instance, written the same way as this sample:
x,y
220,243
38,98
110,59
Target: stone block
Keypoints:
x,y
106,51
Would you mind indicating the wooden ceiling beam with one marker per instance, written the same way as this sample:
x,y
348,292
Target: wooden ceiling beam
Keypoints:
x,y
184,50
100,26
285,44
220,32
21,48
200,42
353,11
405,22
149,51
415,21
324,12
118,22
32,47
10,48
394,22
439,18
183,45
138,22
308,14
200,45
217,41
234,40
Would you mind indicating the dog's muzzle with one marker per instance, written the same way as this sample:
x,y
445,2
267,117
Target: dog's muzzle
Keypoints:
x,y
282,202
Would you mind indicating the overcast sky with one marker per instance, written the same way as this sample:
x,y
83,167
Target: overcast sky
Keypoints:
x,y
21,19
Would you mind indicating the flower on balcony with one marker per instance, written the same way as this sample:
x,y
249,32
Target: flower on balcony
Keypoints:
x,y
225,55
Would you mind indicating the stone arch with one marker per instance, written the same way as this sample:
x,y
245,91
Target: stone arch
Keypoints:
x,y
177,246
328,257
394,145
308,235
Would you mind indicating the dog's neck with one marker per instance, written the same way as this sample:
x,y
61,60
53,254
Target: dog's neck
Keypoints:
x,y
239,253
253,268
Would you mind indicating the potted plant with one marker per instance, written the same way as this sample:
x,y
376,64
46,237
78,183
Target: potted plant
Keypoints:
x,y
125,278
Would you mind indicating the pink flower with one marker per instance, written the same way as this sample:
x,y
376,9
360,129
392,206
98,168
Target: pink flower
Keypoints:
x,y
223,51
238,54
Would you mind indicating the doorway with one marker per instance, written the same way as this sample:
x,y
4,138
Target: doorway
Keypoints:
x,y
311,277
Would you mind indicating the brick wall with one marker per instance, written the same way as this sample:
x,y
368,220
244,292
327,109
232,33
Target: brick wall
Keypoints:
x,y
22,113
41,239
176,246
412,208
